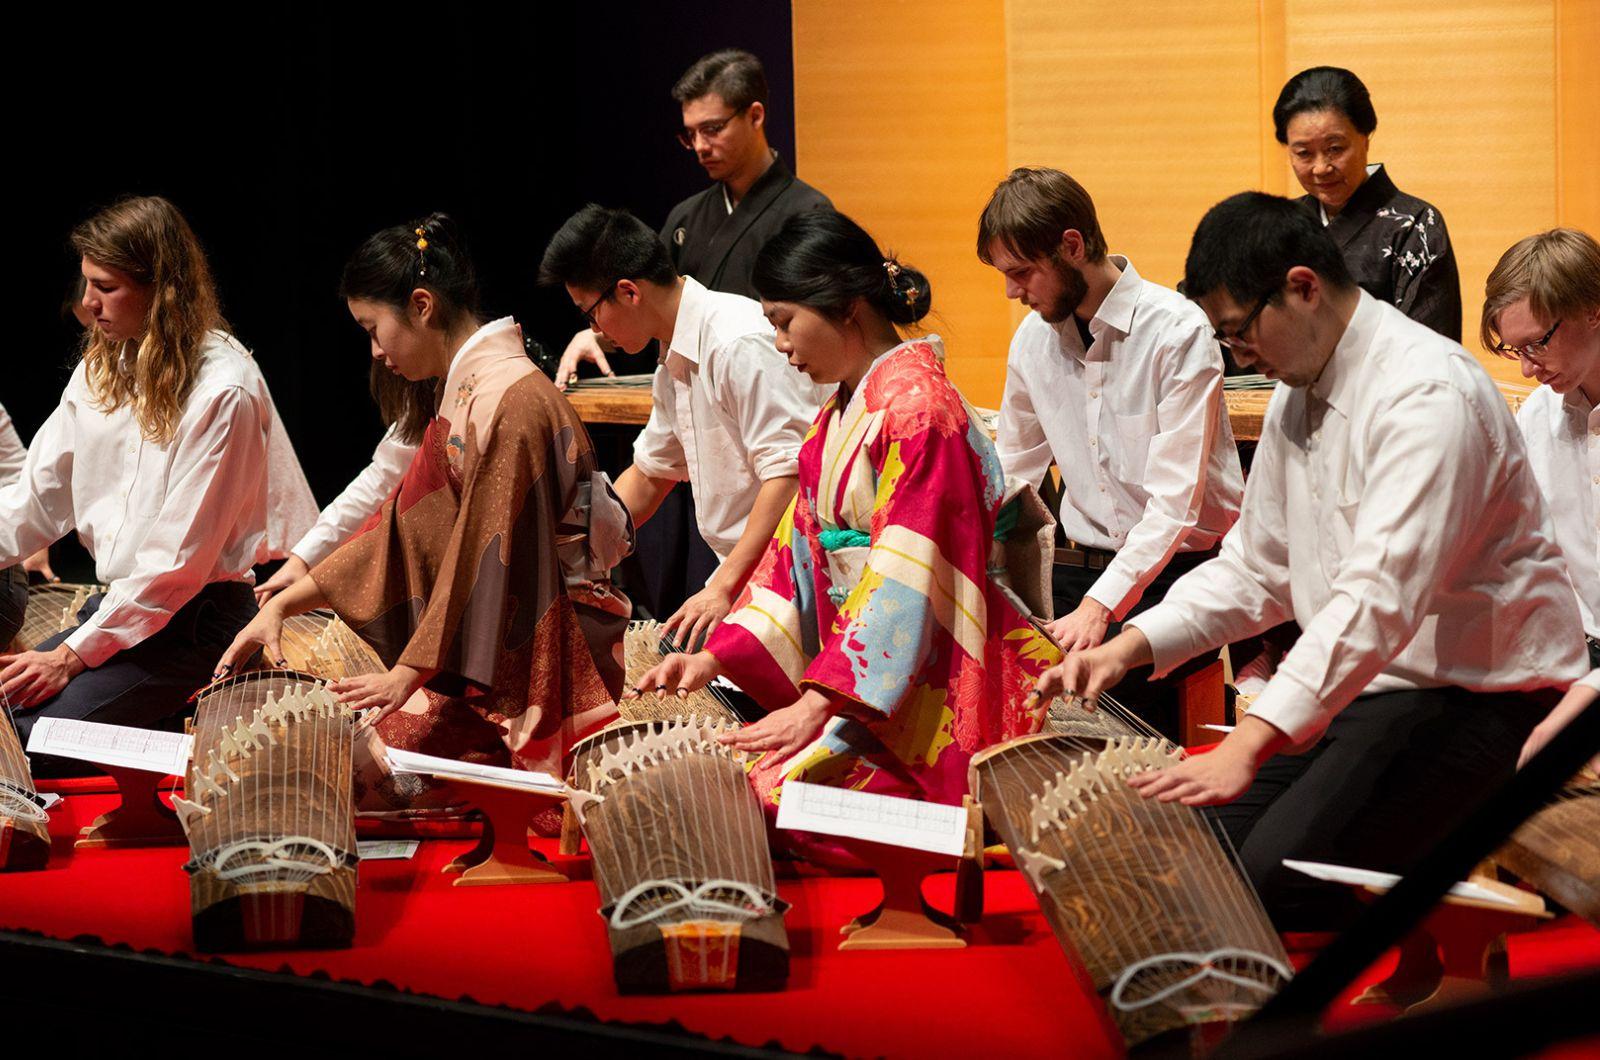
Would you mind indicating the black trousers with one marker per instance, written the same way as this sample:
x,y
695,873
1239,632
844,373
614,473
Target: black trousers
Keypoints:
x,y
1393,773
13,603
1154,701
148,685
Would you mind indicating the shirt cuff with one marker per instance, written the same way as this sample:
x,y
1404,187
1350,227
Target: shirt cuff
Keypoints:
x,y
92,644
1173,641
1112,590
316,546
1592,681
1290,706
778,465
654,468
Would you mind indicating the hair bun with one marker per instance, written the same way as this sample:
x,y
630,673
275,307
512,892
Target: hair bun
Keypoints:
x,y
909,294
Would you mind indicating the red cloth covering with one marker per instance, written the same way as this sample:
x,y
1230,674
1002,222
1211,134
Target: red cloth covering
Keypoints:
x,y
1009,993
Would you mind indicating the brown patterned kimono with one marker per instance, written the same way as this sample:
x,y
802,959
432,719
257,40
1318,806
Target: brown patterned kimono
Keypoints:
x,y
490,565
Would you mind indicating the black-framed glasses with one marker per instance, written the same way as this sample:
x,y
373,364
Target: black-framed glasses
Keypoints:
x,y
1237,339
709,129
588,314
1532,350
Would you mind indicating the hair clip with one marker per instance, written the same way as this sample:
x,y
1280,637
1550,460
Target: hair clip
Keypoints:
x,y
422,246
892,267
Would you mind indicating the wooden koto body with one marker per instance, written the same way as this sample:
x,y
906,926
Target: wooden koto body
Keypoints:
x,y
1558,849
24,825
52,608
319,643
1149,904
680,858
270,817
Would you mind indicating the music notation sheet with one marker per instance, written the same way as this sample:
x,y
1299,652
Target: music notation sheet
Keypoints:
x,y
167,753
450,769
929,826
386,849
1383,881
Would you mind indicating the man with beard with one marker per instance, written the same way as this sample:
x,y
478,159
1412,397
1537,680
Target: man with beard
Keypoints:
x,y
1118,382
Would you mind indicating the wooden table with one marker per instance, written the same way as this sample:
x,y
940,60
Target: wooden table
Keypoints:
x,y
623,403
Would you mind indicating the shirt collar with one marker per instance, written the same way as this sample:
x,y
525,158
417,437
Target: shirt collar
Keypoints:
x,y
1338,376
686,329
1117,309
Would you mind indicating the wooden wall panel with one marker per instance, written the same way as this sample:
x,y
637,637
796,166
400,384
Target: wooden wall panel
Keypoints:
x,y
1487,108
1151,106
1465,94
900,117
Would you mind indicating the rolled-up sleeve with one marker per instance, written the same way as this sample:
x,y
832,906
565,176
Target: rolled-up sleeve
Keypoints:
x,y
766,398
216,468
657,451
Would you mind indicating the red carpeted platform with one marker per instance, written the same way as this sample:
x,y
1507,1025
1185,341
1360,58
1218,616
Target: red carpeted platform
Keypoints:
x,y
1008,993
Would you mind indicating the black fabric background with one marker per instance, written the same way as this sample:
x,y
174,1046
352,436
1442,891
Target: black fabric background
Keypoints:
x,y
288,136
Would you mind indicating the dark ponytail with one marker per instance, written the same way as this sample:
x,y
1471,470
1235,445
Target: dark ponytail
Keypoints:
x,y
824,260
429,254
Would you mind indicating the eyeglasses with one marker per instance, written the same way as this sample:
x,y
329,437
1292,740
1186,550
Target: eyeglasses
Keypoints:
x,y
1237,339
1532,350
588,314
708,129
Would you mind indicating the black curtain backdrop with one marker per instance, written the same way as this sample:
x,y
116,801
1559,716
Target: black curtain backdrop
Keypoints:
x,y
289,137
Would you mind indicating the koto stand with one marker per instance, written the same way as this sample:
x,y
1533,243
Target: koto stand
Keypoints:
x,y
904,920
1458,953
502,854
142,819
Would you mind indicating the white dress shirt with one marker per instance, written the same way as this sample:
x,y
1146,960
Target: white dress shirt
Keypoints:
x,y
364,496
161,521
1391,512
1592,681
12,451
728,412
1563,436
1137,425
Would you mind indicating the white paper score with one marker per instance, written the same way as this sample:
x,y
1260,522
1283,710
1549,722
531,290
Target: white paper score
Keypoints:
x,y
167,753
1386,880
929,826
450,769
386,849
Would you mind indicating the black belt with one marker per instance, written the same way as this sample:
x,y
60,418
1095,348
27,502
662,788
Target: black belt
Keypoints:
x,y
1076,555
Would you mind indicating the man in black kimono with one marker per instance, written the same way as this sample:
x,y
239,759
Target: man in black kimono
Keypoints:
x,y
713,236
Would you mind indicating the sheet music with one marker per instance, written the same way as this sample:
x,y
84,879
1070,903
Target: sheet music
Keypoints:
x,y
112,745
386,849
49,799
449,769
899,822
1385,880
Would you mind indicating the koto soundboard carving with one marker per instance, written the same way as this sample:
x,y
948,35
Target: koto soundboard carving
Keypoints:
x,y
681,859
269,815
1146,896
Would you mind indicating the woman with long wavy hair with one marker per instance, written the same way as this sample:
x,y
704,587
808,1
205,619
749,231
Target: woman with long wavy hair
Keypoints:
x,y
157,455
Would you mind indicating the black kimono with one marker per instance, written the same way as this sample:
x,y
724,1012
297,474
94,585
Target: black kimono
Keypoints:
x,y
719,248
1398,251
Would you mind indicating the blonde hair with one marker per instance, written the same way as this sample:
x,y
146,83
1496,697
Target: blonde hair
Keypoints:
x,y
148,239
1558,272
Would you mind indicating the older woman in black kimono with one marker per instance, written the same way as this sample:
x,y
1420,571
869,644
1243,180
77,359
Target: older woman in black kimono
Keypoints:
x,y
1394,244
